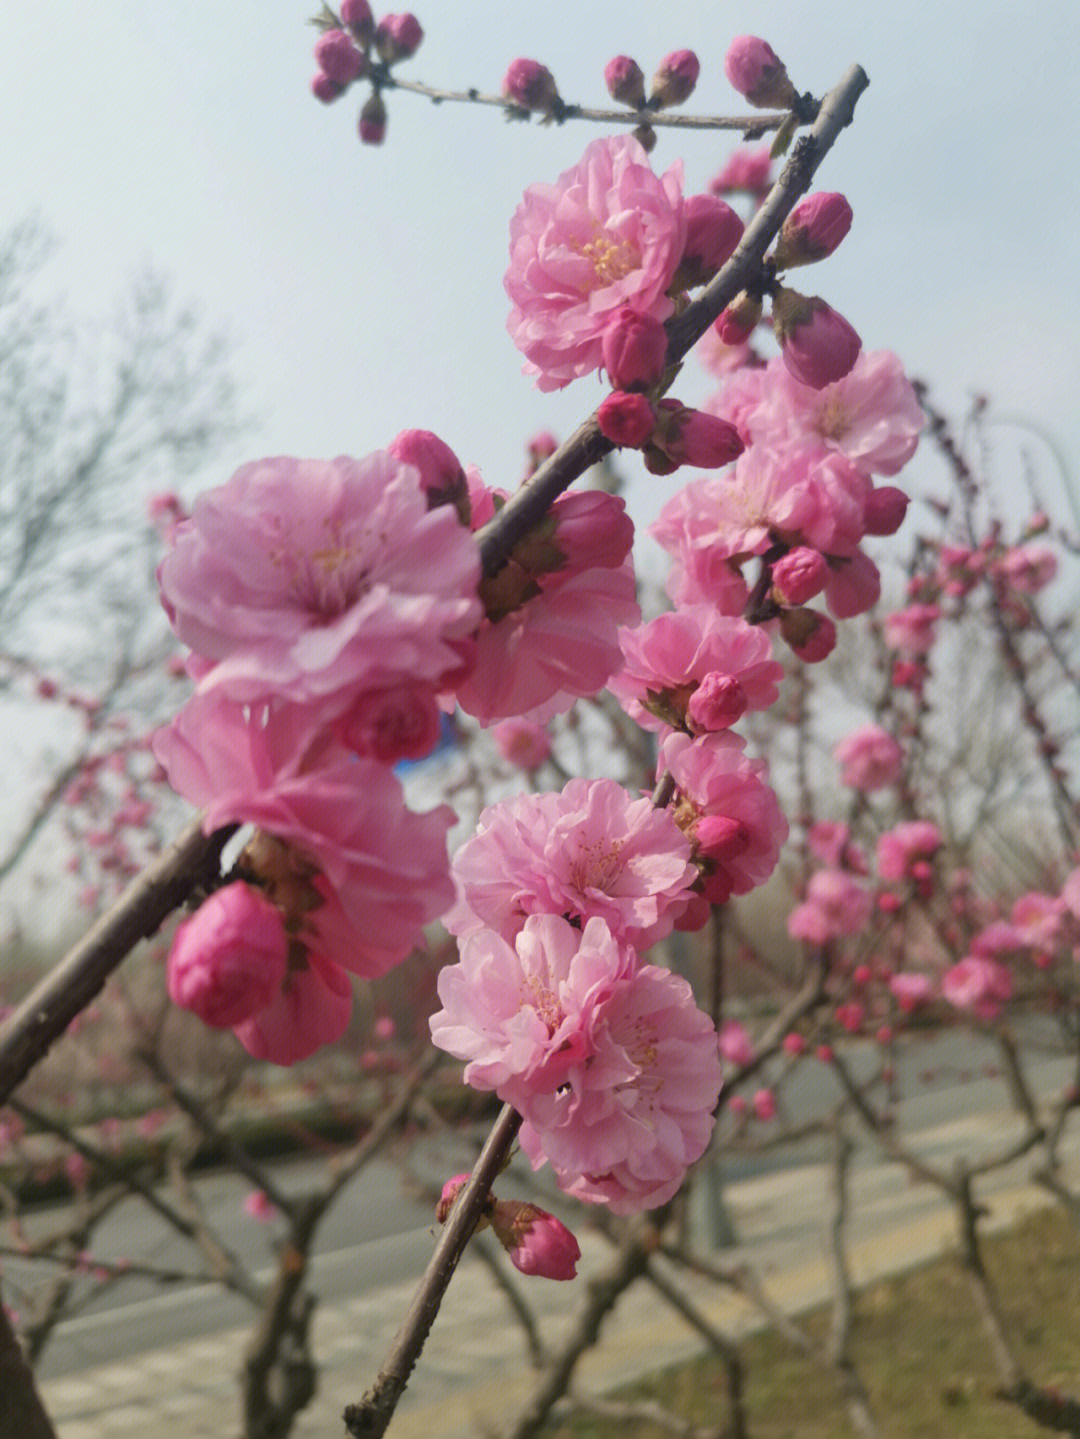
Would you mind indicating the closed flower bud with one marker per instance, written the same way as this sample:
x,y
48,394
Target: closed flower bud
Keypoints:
x,y
813,230
692,437
337,57
739,320
626,420
799,575
812,636
397,37
818,345
229,960
325,89
675,78
713,230
450,1191
757,72
716,704
441,475
886,506
625,82
357,18
372,126
634,349
719,836
536,1241
531,85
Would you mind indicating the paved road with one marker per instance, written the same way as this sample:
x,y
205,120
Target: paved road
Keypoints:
x,y
164,1364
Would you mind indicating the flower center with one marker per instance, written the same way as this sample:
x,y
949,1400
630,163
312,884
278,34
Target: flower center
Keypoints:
x,y
611,259
834,419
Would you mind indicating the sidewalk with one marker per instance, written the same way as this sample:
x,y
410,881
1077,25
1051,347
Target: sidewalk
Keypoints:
x,y
475,1368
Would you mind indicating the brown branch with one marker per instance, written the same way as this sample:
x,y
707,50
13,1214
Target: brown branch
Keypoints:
x,y
51,1005
23,1412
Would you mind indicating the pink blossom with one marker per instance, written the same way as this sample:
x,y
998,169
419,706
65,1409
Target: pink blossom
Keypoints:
x,y
608,233
900,847
852,585
716,781
639,1110
817,344
764,1105
886,507
625,81
400,722
325,89
259,1206
397,37
674,79
627,420
345,835
372,122
911,990
813,230
338,58
1038,919
229,959
799,575
442,477
589,851
357,18
668,660
554,639
911,632
748,168
692,437
536,1242
311,1009
869,758
531,85
713,230
1028,568
812,636
754,69
522,742
634,349
311,579
736,1046
522,1014
979,985
835,906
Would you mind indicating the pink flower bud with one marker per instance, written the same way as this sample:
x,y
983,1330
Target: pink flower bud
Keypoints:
x,y
357,18
799,575
325,89
755,70
793,1044
531,85
229,960
541,447
716,704
536,1241
450,1191
258,1206
713,230
739,321
338,58
886,507
522,742
817,344
720,837
692,437
675,78
634,348
372,126
764,1102
812,636
400,722
625,82
626,420
441,475
397,37
813,230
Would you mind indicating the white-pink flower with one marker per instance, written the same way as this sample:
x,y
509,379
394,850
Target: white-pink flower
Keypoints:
x,y
608,233
522,1014
634,1114
903,845
309,580
589,851
668,659
979,985
869,758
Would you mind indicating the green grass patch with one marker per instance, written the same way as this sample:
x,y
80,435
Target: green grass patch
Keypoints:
x,y
920,1349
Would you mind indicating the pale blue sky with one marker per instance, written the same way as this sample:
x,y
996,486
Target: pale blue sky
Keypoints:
x,y
364,287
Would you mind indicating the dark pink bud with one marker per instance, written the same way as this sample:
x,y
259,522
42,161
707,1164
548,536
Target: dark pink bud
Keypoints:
x,y
716,704
372,126
713,230
325,89
531,85
634,349
441,475
625,82
541,447
536,1241
450,1191
886,507
675,78
229,960
337,57
720,837
626,420
400,722
813,230
397,37
691,437
818,345
812,636
357,18
793,1044
799,575
757,72
739,320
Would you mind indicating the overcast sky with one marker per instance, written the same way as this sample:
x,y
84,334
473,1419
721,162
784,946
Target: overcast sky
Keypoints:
x,y
363,287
